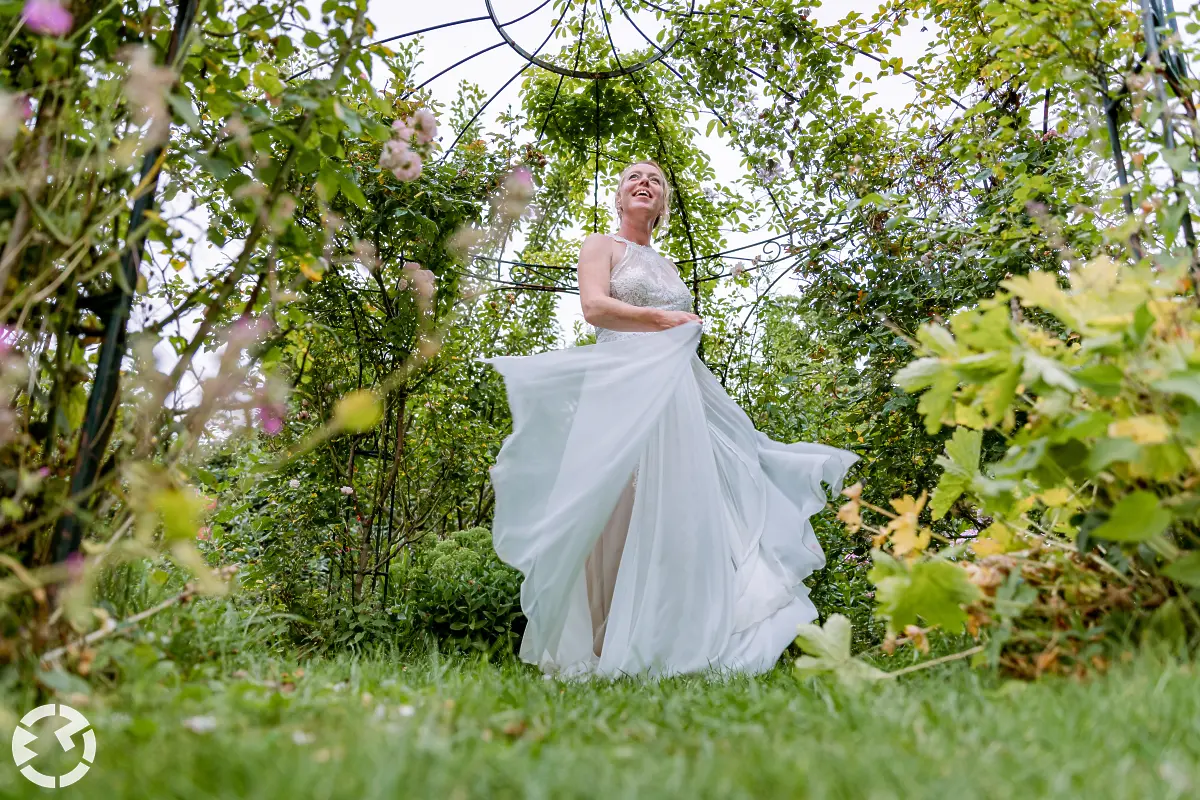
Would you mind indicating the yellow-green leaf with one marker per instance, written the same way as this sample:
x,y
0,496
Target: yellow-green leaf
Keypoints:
x,y
180,511
358,412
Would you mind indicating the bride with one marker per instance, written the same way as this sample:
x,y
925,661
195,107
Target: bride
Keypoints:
x,y
658,532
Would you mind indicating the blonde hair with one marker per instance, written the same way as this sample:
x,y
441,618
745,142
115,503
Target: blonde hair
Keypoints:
x,y
665,214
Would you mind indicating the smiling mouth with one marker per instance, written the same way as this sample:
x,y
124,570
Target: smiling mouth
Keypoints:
x,y
642,193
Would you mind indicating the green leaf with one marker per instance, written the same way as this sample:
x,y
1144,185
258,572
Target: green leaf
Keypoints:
x,y
1186,570
938,340
1014,596
1048,371
885,566
998,393
1136,518
919,374
949,489
266,77
327,182
1143,320
63,682
961,464
1110,451
352,192
964,450
183,108
984,329
828,649
936,400
934,590
1184,383
1166,625
1178,158
1103,379
218,167
1085,425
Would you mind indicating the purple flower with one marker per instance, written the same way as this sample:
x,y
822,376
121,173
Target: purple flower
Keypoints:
x,y
25,106
47,17
270,416
520,183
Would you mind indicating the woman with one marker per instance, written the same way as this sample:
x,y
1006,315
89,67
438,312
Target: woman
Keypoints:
x,y
657,530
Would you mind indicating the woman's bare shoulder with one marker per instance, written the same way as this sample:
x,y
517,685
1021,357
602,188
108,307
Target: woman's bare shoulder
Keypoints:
x,y
596,246
598,242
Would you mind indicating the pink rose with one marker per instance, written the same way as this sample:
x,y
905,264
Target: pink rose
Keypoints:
x,y
403,130
407,167
425,124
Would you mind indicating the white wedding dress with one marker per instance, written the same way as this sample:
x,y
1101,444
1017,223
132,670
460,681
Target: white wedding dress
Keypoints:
x,y
658,532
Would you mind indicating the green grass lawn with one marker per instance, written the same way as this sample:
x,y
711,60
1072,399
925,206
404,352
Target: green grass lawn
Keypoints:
x,y
375,728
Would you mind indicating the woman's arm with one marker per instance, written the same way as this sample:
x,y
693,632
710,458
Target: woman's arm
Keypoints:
x,y
604,311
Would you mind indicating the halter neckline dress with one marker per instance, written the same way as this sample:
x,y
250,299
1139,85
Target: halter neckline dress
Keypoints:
x,y
657,531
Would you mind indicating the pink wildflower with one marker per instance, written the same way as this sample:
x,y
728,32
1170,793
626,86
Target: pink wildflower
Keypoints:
x,y
270,416
347,490
47,17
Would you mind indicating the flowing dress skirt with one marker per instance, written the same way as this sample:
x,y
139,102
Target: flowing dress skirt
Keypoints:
x,y
657,531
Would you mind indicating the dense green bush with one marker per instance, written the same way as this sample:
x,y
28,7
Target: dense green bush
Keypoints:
x,y
457,590
842,587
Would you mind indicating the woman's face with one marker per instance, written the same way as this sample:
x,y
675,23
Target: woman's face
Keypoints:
x,y
641,194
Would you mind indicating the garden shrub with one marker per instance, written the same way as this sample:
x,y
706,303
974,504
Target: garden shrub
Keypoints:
x,y
458,591
1091,512
842,587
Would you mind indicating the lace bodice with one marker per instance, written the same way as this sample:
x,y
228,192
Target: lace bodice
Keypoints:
x,y
644,278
